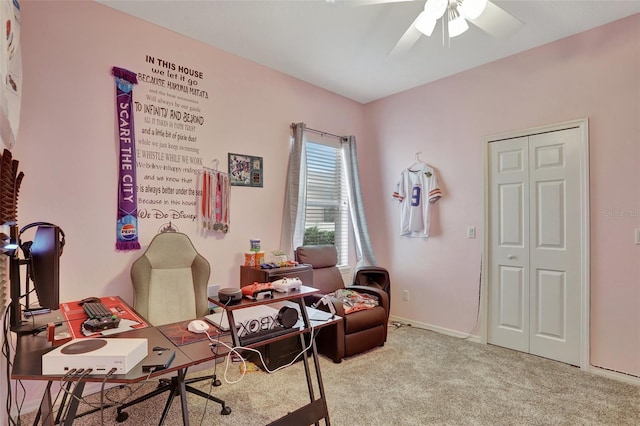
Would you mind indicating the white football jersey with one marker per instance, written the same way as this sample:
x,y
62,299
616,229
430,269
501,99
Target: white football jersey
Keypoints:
x,y
417,190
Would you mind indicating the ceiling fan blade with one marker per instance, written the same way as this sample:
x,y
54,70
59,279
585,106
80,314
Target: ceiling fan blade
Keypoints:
x,y
497,22
408,39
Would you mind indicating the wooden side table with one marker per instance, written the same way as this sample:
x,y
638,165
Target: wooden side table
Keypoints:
x,y
249,274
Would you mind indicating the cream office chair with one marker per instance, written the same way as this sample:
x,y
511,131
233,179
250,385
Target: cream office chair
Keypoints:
x,y
170,285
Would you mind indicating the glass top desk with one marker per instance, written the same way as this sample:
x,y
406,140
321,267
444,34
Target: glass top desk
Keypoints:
x,y
316,409
27,365
30,348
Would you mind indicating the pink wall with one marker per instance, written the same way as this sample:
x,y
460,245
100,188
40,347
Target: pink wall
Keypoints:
x,y
592,75
67,150
67,144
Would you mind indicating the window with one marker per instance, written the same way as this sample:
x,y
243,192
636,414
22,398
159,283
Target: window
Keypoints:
x,y
327,208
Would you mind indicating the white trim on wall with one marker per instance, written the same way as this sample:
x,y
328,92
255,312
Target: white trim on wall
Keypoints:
x,y
615,375
446,331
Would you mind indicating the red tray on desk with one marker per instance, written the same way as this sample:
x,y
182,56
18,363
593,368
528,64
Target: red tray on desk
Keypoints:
x,y
75,314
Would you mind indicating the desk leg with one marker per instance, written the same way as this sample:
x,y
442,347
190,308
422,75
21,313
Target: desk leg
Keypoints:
x,y
183,396
316,364
46,409
74,403
63,403
313,412
307,324
234,332
307,370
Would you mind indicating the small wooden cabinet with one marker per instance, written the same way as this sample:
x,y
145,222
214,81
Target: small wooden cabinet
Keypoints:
x,y
249,274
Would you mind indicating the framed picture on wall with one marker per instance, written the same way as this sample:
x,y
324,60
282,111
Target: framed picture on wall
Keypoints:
x,y
245,170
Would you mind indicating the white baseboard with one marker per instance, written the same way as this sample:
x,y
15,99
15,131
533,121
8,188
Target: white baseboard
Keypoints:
x,y
622,377
441,330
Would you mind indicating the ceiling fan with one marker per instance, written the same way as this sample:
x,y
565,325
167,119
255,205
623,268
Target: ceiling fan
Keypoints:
x,y
455,15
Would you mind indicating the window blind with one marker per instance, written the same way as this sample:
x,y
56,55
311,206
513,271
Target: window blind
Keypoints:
x,y
327,211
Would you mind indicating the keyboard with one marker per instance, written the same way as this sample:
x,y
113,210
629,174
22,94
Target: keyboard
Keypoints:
x,y
259,336
97,310
100,317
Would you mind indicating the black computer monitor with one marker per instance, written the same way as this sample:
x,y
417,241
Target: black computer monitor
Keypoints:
x,y
45,265
42,259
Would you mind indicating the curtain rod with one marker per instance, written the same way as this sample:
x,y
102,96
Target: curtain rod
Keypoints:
x,y
320,132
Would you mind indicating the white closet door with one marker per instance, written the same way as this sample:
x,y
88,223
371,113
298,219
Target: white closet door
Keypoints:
x,y
509,244
554,245
534,247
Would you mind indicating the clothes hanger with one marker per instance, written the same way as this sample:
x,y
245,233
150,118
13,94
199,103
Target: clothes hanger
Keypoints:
x,y
418,163
214,168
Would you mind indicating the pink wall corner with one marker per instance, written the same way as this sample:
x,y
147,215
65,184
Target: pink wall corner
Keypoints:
x,y
592,75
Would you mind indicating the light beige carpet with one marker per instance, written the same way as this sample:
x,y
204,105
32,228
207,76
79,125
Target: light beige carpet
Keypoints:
x,y
418,378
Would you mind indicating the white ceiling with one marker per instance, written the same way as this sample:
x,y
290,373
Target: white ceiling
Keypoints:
x,y
343,46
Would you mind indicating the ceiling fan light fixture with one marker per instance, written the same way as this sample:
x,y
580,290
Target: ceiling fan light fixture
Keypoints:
x,y
472,8
435,9
457,24
425,24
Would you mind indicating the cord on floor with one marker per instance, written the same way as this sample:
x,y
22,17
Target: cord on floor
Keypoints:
x,y
398,324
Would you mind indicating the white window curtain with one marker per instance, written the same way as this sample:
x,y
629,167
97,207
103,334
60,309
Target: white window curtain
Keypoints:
x,y
295,195
364,250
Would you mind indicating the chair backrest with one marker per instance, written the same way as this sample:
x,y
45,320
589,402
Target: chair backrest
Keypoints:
x,y
170,280
323,259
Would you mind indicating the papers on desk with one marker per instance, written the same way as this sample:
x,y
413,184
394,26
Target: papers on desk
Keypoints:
x,y
318,315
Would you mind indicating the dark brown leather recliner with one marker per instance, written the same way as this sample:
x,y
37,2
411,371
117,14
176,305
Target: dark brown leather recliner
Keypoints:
x,y
358,331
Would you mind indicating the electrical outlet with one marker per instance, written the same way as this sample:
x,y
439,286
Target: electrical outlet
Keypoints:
x,y
405,295
638,236
471,231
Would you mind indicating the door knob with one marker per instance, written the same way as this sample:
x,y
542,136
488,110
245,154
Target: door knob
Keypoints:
x,y
511,256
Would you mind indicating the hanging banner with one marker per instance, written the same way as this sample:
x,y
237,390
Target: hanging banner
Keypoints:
x,y
10,72
127,225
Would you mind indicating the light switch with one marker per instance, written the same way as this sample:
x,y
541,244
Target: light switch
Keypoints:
x,y
471,232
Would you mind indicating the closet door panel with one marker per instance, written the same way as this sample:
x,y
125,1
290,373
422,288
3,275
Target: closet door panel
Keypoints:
x,y
509,244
